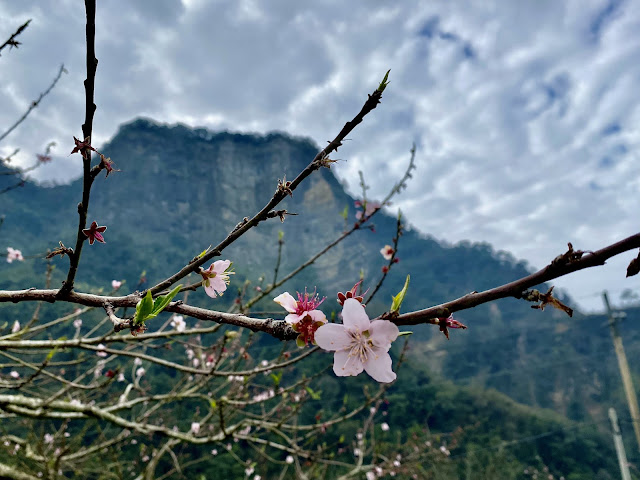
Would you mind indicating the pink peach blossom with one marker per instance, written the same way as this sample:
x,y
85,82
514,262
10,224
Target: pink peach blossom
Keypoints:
x,y
298,309
359,343
216,277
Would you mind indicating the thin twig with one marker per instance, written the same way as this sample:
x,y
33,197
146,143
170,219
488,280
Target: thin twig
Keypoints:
x,y
34,104
12,42
392,260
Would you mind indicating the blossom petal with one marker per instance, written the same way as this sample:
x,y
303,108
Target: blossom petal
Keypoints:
x,y
286,301
378,366
332,336
317,316
383,332
345,365
354,317
214,286
293,318
219,266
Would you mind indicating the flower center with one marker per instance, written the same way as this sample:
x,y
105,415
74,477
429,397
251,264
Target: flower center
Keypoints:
x,y
360,346
307,302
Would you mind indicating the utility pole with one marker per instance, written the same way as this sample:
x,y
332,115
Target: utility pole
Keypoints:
x,y
632,399
617,440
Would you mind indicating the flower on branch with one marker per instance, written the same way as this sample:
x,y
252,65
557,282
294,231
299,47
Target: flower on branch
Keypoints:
x,y
107,164
351,294
82,146
303,316
94,232
178,323
449,322
369,208
43,158
359,343
195,428
16,327
216,278
116,284
284,187
264,396
546,299
307,328
13,254
387,252
298,309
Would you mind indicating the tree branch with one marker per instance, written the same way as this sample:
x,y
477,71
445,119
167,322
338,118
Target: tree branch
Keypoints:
x,y
518,287
87,130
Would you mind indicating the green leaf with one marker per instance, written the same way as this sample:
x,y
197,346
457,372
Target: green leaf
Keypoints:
x,y
55,349
399,298
345,212
51,354
276,378
403,334
161,302
143,308
384,82
213,403
204,252
314,395
280,237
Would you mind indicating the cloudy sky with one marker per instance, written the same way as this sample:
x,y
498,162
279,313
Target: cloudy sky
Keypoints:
x,y
526,114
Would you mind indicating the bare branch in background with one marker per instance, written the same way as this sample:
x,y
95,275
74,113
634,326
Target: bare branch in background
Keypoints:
x,y
34,104
12,42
